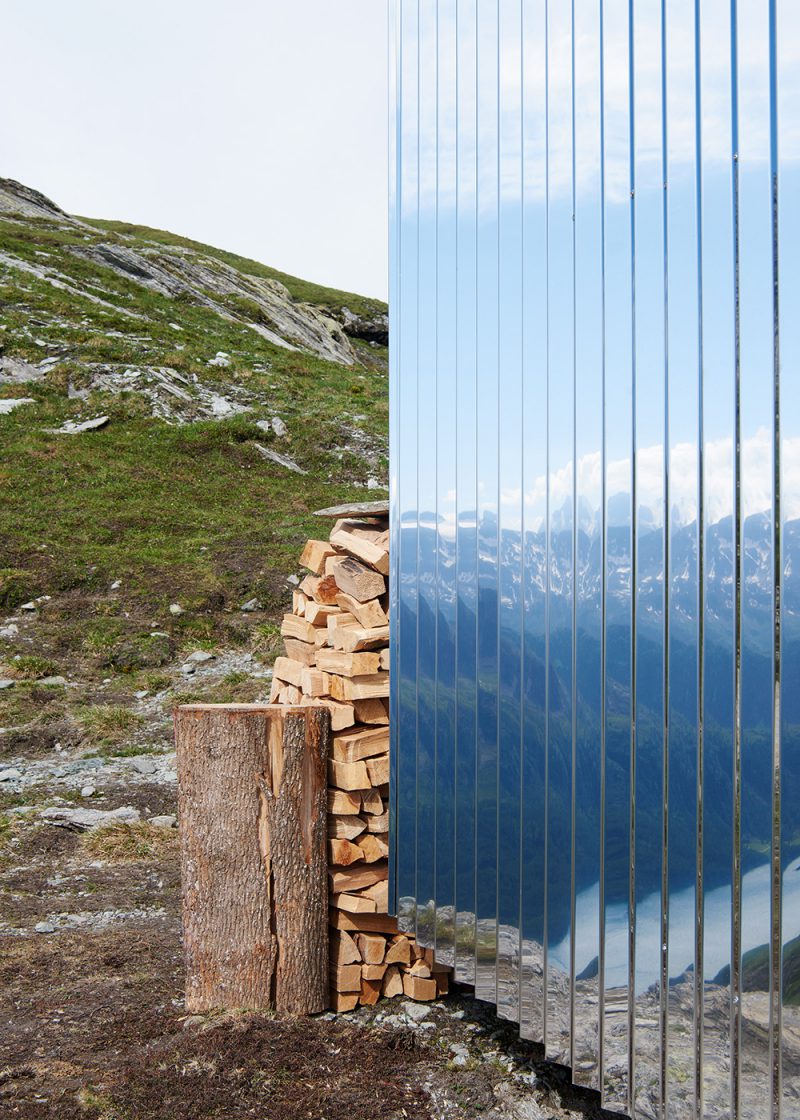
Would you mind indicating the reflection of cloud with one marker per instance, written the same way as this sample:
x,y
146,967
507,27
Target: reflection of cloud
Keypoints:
x,y
757,491
509,83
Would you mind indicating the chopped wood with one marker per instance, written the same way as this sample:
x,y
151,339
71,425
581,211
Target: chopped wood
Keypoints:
x,y
385,659
314,683
350,539
369,614
417,988
374,711
417,952
348,664
392,982
295,627
344,802
372,849
344,1001
343,948
332,564
357,580
346,977
379,824
360,688
371,946
314,555
299,601
342,853
442,981
378,769
322,589
421,968
363,528
379,893
373,971
318,613
275,690
399,952
370,992
368,922
349,879
354,903
354,746
371,801
352,637
288,670
342,715
290,695
348,775
344,827
304,652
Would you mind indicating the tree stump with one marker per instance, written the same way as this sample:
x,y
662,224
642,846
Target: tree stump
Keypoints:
x,y
252,799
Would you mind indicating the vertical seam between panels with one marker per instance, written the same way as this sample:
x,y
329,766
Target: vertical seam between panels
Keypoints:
x,y
603,575
574,666
667,562
736,932
701,588
547,533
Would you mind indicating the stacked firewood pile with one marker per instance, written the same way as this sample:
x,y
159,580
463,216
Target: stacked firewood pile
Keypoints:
x,y
337,655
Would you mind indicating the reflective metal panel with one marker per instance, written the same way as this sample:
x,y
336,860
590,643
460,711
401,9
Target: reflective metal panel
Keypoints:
x,y
595,236
446,339
488,181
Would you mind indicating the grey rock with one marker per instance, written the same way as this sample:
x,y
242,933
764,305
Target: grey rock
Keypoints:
x,y
6,684
251,605
278,426
84,819
294,580
10,775
9,632
416,1011
200,656
175,609
53,682
355,509
220,359
88,791
144,765
140,695
15,371
8,406
44,927
29,606
75,427
188,669
281,460
167,820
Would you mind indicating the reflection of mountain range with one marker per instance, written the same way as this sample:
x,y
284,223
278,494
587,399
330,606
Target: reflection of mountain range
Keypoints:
x,y
463,616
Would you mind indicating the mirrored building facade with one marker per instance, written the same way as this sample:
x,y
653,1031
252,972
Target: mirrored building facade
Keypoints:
x,y
595,472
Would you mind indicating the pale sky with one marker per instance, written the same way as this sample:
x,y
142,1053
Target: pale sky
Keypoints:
x,y
257,126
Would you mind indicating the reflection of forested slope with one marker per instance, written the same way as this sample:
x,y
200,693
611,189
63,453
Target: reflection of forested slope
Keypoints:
x,y
470,560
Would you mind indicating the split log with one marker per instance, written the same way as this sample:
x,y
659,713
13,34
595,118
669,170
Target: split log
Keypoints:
x,y
252,800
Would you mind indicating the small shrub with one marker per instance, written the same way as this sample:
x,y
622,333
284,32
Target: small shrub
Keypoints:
x,y
131,843
108,723
30,667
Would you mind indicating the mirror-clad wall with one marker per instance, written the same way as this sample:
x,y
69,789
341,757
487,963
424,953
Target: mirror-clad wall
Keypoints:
x,y
595,473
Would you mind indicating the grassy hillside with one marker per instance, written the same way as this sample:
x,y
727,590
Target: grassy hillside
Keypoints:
x,y
186,512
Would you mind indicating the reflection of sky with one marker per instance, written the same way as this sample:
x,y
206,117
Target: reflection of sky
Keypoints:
x,y
715,22
717,927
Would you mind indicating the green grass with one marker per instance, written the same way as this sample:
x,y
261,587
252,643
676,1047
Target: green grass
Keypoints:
x,y
108,723
130,843
189,514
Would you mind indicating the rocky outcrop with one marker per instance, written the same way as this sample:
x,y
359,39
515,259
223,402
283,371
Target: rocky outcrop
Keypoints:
x,y
264,305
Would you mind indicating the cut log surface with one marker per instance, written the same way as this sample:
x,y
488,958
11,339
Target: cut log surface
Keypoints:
x,y
356,579
369,614
357,543
372,711
252,801
314,555
355,746
348,664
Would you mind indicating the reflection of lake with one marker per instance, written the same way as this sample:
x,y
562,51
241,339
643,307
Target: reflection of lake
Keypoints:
x,y
716,922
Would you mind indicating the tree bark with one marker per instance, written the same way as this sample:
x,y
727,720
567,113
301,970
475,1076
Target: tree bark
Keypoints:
x,y
252,798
